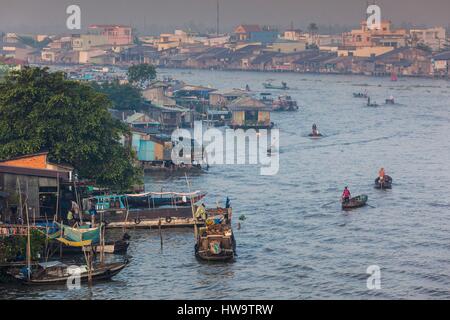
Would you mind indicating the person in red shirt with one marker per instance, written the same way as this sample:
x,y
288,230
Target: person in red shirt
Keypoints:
x,y
346,195
381,174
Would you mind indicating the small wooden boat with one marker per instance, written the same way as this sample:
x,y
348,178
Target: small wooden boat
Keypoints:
x,y
356,202
269,85
385,184
315,136
359,95
370,103
266,98
390,101
58,273
215,241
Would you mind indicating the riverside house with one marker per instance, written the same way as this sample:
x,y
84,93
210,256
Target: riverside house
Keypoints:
x,y
250,113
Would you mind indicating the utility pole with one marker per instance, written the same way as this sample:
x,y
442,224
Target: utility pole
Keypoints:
x,y
217,22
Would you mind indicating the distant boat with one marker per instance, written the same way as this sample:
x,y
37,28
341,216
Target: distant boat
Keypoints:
x,y
359,95
370,103
356,202
269,85
394,76
56,272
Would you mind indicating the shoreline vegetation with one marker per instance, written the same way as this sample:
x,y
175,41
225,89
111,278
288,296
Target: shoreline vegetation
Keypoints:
x,y
44,111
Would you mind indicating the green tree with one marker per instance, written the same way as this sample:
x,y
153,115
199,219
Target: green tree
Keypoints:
x,y
40,110
122,96
141,73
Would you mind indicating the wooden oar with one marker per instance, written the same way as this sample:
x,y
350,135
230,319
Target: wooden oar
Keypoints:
x,y
370,205
326,205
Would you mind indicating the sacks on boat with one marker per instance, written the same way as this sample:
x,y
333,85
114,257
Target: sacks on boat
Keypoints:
x,y
215,247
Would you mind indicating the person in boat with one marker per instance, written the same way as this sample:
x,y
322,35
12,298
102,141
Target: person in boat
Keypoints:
x,y
247,87
93,213
315,132
200,214
346,195
381,175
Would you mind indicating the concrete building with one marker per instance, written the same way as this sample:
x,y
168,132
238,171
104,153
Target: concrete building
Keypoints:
x,y
34,178
83,42
116,35
287,46
435,38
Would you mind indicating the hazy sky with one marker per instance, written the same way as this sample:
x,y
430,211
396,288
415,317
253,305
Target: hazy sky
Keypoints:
x,y
40,15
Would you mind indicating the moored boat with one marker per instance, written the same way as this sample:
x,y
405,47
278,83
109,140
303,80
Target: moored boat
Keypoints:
x,y
355,202
58,273
285,103
385,184
269,85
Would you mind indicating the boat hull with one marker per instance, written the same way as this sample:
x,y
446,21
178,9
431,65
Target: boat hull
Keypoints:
x,y
387,184
356,202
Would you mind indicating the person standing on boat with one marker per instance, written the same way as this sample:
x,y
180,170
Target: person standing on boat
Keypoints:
x,y
346,195
315,132
200,214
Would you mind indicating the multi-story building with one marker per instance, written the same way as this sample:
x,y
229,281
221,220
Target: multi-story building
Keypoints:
x,y
116,35
435,38
369,37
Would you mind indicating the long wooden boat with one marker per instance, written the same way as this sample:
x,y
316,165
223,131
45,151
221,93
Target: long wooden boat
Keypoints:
x,y
356,202
57,273
285,103
215,241
386,184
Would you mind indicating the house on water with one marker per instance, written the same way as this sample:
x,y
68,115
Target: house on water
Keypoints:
x,y
250,113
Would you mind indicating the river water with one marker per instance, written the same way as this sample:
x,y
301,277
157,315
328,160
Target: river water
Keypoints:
x,y
294,244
